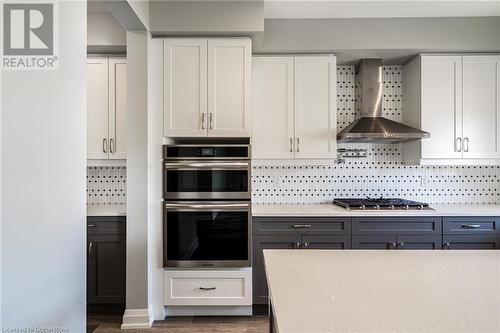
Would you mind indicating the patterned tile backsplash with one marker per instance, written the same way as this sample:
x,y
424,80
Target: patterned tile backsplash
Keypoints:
x,y
106,185
382,173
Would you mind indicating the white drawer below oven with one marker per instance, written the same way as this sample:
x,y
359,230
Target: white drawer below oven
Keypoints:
x,y
208,287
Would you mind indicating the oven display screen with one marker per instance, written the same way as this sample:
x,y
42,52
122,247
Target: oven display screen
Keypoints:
x,y
206,152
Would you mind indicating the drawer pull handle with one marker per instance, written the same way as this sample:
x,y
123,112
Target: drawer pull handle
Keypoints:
x,y
205,289
91,226
471,226
391,245
299,226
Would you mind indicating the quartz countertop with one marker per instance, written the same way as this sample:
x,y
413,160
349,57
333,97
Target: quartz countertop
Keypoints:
x,y
384,291
106,210
330,210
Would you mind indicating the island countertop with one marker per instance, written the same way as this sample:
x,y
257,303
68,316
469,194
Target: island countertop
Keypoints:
x,y
384,291
331,210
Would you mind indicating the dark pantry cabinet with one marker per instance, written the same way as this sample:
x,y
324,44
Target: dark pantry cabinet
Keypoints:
x,y
106,257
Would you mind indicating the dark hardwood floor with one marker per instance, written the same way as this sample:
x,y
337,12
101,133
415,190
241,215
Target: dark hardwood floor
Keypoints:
x,y
108,323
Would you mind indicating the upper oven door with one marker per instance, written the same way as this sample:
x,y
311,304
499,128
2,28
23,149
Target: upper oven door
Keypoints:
x,y
207,234
196,180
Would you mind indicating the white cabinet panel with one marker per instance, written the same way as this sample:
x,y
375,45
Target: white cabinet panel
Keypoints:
x,y
205,287
229,84
480,108
272,107
315,112
97,108
117,108
185,87
441,106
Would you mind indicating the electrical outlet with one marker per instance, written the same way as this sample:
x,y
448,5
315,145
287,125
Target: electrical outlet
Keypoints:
x,y
424,181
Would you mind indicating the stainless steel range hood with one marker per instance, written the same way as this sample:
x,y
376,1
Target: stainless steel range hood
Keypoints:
x,y
370,126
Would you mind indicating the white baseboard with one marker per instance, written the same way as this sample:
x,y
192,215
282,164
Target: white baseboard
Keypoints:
x,y
137,318
189,310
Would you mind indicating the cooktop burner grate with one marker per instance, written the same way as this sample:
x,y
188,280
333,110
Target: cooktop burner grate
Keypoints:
x,y
380,203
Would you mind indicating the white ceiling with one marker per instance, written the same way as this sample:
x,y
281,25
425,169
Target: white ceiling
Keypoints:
x,y
378,9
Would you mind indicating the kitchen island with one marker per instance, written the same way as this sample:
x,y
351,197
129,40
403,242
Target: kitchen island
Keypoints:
x,y
383,291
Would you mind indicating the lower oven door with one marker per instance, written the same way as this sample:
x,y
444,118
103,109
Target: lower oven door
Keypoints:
x,y
207,234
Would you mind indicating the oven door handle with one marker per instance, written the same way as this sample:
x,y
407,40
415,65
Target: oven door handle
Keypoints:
x,y
207,165
225,206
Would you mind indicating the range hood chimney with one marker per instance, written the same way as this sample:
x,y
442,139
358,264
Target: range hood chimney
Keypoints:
x,y
370,126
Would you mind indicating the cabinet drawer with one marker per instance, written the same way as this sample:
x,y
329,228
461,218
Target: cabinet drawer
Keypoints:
x,y
292,225
396,225
106,225
471,225
199,287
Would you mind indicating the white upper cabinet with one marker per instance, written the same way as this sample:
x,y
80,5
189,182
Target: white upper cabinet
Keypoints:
x,y
273,105
456,99
441,111
294,113
118,108
106,108
315,111
97,108
207,87
229,87
480,107
185,95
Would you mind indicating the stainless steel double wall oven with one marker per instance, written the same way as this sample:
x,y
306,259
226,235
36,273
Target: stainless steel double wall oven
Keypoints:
x,y
207,212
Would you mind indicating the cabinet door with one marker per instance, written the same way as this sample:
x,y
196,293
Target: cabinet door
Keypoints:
x,y
315,110
97,108
471,242
272,107
418,242
185,87
374,242
261,243
326,242
441,106
117,108
229,87
106,269
481,119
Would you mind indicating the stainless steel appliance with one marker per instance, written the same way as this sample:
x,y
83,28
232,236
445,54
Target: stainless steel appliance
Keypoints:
x,y
370,126
380,204
206,172
207,206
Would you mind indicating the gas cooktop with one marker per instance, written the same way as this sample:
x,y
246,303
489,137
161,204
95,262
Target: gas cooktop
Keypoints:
x,y
380,204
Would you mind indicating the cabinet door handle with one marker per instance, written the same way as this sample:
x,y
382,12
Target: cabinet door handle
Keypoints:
x,y
305,245
112,146
296,245
458,145
466,145
298,145
301,226
291,145
209,288
211,121
401,246
202,121
104,146
91,226
446,246
90,248
471,226
391,245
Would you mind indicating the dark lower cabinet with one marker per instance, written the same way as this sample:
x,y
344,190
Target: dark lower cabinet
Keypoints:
x,y
264,242
418,242
326,242
106,258
471,242
374,242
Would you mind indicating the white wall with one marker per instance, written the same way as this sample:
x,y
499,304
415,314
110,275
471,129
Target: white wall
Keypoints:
x,y
43,131
155,176
104,30
205,17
